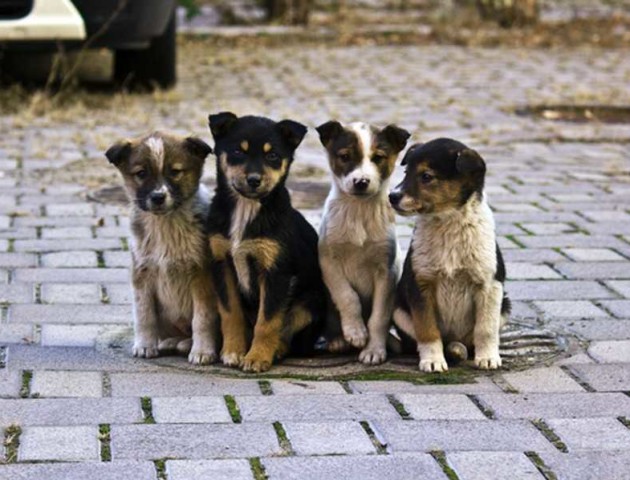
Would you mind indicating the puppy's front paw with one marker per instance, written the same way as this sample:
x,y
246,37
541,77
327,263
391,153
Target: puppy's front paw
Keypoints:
x,y
145,349
373,355
338,345
232,359
432,365
256,363
488,362
356,334
200,356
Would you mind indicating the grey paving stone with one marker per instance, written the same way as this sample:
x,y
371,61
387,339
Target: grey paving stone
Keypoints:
x,y
495,465
556,290
112,232
4,276
592,254
69,411
605,378
70,210
59,443
123,470
52,335
71,275
374,467
66,384
440,406
621,286
548,228
542,380
69,259
570,240
139,442
120,314
77,293
298,387
67,232
482,385
328,438
10,383
533,255
619,308
17,333
584,434
590,270
17,293
315,408
117,259
462,435
209,469
186,409
522,271
588,465
61,222
593,329
610,351
570,309
70,244
164,384
119,293
557,405
10,260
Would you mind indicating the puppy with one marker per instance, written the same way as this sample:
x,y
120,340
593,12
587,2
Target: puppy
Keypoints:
x,y
358,249
451,291
174,296
264,251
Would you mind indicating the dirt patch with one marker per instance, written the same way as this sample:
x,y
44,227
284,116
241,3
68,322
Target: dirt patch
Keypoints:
x,y
578,113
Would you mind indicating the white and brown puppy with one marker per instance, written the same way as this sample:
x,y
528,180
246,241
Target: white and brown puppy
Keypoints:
x,y
451,291
174,297
358,249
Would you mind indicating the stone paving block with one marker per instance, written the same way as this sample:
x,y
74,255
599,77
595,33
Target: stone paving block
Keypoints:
x,y
59,443
203,441
557,405
570,309
186,409
67,232
69,411
299,387
119,293
112,232
533,255
592,254
70,210
482,385
17,293
621,286
584,434
588,465
17,333
71,275
570,240
328,438
591,270
209,469
4,245
65,314
495,465
61,222
542,380
5,222
316,408
66,384
71,335
78,293
69,259
60,245
556,290
548,228
606,215
123,470
11,260
374,467
595,329
10,383
165,384
117,258
440,406
605,378
462,435
522,271
619,308
610,351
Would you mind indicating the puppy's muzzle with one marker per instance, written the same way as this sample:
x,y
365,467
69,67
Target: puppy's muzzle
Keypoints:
x,y
361,185
395,197
158,198
254,180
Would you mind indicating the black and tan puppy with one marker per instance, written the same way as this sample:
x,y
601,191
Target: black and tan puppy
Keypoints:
x,y
264,251
451,291
174,296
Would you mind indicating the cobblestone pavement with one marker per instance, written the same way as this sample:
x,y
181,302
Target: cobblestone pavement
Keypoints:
x,y
561,197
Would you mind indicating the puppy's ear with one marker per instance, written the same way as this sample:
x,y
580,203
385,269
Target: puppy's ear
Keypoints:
x,y
118,152
469,161
197,147
408,153
292,132
329,131
220,123
396,136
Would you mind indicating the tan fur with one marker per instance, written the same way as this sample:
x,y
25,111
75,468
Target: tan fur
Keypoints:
x,y
233,323
263,250
219,246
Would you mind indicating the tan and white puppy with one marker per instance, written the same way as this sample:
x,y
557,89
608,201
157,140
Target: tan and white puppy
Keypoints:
x,y
451,292
358,249
174,297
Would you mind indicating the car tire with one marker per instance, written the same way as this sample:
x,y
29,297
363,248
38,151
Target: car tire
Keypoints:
x,y
151,67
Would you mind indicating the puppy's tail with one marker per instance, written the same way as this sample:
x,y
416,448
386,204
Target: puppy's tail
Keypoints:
x,y
456,351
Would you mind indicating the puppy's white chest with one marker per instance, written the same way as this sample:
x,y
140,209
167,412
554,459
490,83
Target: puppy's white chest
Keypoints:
x,y
244,213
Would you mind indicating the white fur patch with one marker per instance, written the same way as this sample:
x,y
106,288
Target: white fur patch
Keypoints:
x,y
244,213
156,146
366,170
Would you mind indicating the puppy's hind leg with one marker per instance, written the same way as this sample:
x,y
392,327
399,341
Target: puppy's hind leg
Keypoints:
x,y
204,321
487,325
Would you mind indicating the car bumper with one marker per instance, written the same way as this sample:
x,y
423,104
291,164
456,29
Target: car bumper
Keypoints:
x,y
48,20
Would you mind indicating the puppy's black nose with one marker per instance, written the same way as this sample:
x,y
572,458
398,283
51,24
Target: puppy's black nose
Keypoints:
x,y
254,180
361,184
395,197
158,198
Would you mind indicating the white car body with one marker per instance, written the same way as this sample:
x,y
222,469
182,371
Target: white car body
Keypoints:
x,y
49,19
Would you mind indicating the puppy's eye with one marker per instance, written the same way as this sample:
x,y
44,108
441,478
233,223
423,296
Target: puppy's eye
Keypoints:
x,y
378,158
344,157
237,152
426,178
272,157
140,174
176,172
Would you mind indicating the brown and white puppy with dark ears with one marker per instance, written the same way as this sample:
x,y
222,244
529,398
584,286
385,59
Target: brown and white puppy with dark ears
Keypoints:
x,y
451,291
174,296
358,249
